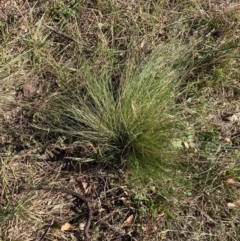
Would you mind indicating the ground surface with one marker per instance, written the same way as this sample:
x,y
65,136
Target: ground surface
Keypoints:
x,y
42,43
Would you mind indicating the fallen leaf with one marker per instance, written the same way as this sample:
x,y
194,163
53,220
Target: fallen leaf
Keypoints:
x,y
29,89
231,118
82,226
85,186
144,228
123,199
186,145
191,145
231,205
230,181
65,226
101,210
227,139
127,222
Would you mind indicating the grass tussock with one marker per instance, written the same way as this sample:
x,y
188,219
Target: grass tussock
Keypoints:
x,y
134,120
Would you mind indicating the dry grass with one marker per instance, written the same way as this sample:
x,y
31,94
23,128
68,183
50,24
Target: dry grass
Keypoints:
x,y
42,47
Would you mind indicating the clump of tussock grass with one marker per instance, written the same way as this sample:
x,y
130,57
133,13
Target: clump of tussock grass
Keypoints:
x,y
135,122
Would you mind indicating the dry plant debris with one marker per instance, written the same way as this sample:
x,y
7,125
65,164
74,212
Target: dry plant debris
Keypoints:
x,y
41,45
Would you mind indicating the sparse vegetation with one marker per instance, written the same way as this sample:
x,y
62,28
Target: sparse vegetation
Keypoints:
x,y
134,106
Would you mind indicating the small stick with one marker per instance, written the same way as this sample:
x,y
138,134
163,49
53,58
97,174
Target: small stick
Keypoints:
x,y
61,33
46,231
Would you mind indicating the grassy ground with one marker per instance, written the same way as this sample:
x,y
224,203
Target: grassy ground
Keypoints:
x,y
81,111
